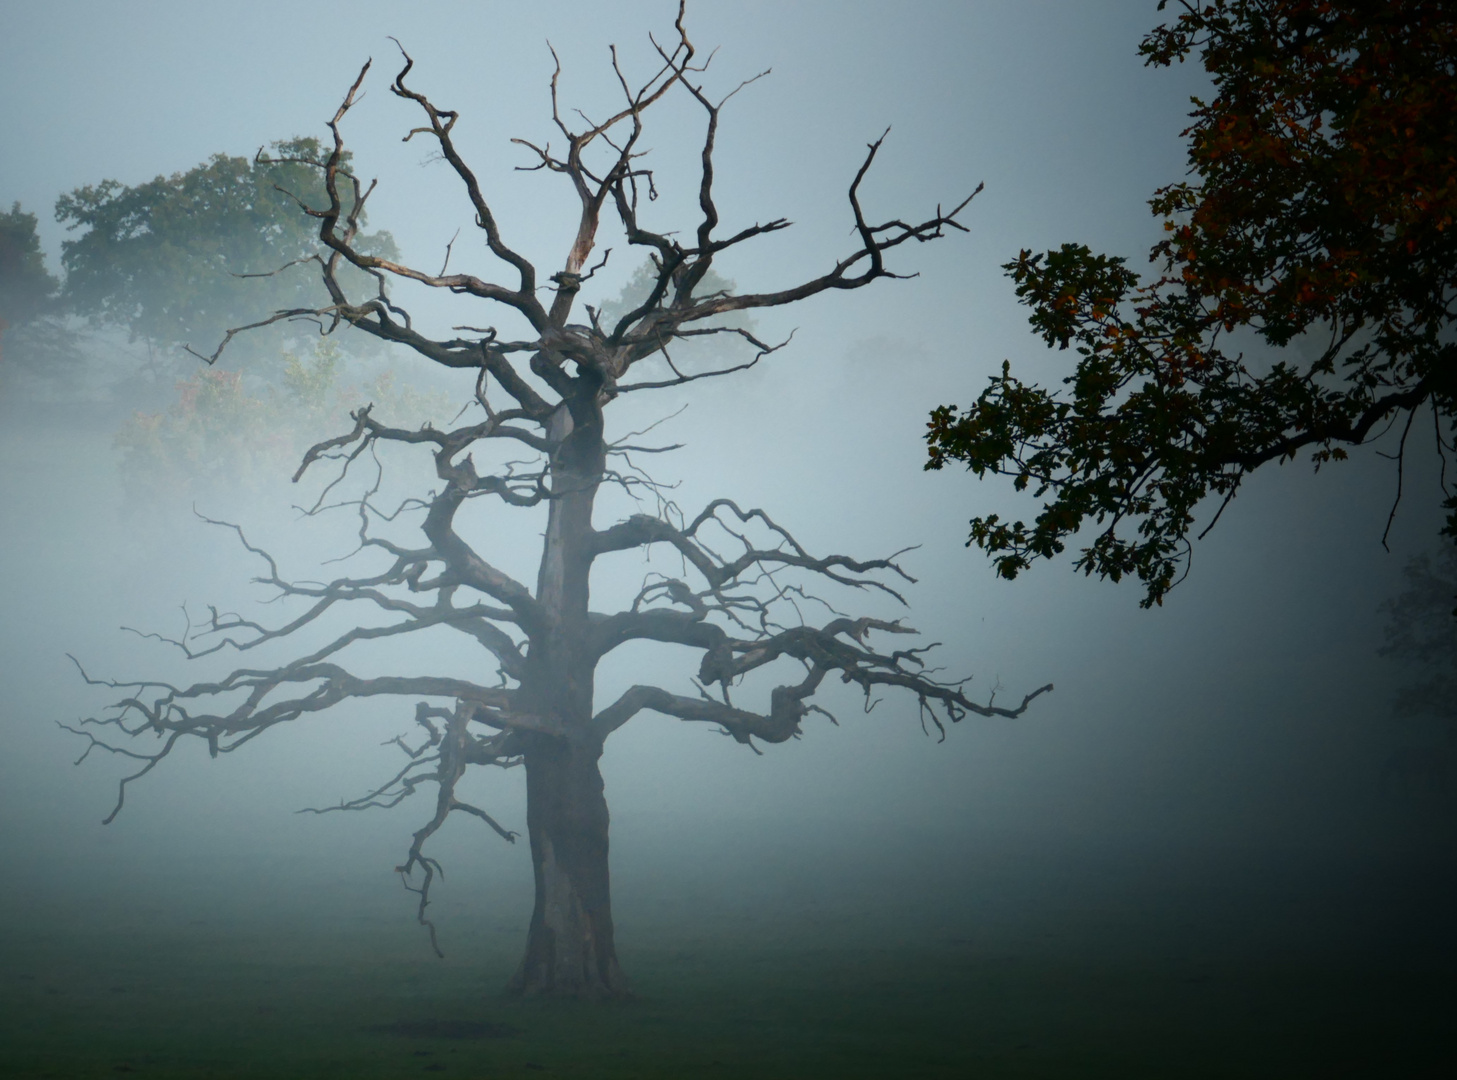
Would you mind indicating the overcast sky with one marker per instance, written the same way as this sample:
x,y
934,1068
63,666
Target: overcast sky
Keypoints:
x,y
1248,706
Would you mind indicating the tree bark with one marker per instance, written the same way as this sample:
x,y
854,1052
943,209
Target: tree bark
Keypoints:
x,y
569,948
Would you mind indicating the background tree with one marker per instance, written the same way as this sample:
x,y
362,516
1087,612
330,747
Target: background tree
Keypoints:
x,y
32,335
1421,635
172,261
1320,215
231,432
27,289
1421,632
181,259
729,583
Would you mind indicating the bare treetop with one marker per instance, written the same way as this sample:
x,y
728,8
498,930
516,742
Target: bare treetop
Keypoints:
x,y
672,311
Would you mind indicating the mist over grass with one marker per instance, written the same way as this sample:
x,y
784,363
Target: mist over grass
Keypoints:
x,y
1236,726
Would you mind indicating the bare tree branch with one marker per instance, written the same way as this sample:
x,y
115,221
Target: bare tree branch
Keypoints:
x,y
745,597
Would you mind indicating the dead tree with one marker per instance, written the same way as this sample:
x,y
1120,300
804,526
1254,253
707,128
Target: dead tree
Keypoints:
x,y
739,598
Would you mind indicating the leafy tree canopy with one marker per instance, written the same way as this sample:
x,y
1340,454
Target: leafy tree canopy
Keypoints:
x,y
27,289
163,259
1319,213
34,335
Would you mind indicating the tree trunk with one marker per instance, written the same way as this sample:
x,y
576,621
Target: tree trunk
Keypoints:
x,y
569,949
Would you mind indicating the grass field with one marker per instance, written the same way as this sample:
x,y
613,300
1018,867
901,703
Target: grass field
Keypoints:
x,y
1078,983
160,1009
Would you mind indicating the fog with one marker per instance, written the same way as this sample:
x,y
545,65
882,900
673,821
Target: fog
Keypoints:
x,y
1206,778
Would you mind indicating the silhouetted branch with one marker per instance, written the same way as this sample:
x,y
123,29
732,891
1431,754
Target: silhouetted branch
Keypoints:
x,y
747,605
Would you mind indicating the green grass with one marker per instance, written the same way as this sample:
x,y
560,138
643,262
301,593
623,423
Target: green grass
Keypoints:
x,y
192,1001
